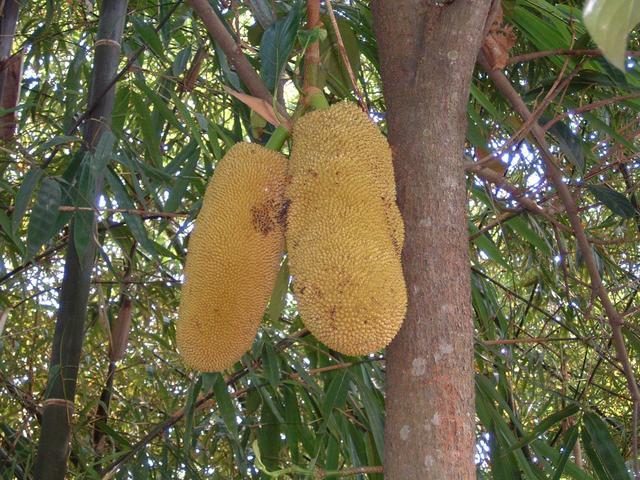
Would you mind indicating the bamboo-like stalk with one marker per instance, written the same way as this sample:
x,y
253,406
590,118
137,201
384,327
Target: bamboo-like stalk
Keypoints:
x,y
10,68
8,25
312,53
54,448
118,338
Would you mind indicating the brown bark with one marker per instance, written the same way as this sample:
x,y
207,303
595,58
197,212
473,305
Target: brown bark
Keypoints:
x,y
312,53
10,68
219,33
10,79
427,53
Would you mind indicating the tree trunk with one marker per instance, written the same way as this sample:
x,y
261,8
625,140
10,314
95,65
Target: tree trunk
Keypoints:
x,y
53,448
427,54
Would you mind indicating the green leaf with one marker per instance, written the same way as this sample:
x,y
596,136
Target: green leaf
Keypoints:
x,y
484,243
263,11
180,62
192,396
305,37
571,438
601,450
185,179
120,109
84,198
373,407
278,297
134,222
271,364
102,154
335,396
150,134
275,47
72,86
615,201
229,73
24,195
609,23
208,380
546,424
149,36
5,224
570,468
519,225
57,140
269,438
503,463
337,76
44,216
570,144
633,339
292,422
225,405
92,168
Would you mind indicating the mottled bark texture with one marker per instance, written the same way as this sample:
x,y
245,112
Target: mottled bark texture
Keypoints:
x,y
427,54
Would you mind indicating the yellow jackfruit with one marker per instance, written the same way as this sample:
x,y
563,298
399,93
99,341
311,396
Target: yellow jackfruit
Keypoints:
x,y
344,129
233,258
347,275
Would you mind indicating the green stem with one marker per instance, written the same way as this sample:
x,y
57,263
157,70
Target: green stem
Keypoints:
x,y
317,101
278,137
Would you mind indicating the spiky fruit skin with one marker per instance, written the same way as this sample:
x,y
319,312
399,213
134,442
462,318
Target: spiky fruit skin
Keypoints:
x,y
233,258
343,245
344,129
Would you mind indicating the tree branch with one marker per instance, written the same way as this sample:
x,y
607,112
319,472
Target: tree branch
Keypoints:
x,y
200,403
504,86
225,41
344,56
527,57
108,86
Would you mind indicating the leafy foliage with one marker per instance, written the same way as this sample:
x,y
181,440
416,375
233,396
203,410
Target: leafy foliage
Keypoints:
x,y
551,399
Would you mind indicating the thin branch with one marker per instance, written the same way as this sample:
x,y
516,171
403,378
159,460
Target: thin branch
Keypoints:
x,y
26,400
51,251
494,177
234,54
537,340
128,211
345,57
589,107
348,472
527,57
504,86
109,86
549,316
560,85
200,403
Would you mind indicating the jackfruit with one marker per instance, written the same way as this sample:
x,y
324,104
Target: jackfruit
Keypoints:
x,y
344,129
347,275
233,258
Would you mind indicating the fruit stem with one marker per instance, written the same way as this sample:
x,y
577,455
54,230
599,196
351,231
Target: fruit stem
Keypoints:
x,y
317,101
277,139
313,96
